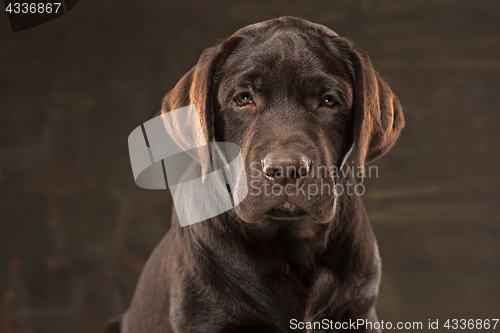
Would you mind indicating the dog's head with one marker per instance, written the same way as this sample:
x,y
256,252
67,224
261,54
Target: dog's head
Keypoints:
x,y
295,97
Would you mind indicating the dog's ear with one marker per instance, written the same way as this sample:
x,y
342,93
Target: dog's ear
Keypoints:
x,y
378,116
197,88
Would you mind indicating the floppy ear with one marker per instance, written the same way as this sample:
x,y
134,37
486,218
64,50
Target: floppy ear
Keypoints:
x,y
378,116
197,87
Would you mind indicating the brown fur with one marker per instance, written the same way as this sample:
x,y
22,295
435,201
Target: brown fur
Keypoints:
x,y
246,270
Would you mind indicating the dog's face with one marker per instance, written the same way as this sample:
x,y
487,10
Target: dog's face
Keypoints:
x,y
294,97
288,106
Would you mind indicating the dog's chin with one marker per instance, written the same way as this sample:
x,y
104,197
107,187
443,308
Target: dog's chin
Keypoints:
x,y
286,211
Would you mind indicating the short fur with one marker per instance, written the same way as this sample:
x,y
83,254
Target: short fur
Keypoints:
x,y
247,270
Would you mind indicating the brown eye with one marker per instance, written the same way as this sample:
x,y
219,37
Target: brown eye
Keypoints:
x,y
329,101
244,98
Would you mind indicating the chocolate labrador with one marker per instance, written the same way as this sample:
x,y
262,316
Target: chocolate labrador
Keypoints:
x,y
295,97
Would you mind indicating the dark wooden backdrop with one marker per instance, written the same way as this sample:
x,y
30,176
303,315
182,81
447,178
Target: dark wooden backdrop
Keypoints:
x,y
75,231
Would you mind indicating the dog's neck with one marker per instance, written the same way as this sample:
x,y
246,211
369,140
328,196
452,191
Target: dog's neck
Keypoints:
x,y
304,242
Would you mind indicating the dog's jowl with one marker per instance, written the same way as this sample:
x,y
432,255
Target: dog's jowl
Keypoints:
x,y
298,252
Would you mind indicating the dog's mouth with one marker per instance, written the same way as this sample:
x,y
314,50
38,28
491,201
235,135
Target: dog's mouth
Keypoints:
x,y
286,211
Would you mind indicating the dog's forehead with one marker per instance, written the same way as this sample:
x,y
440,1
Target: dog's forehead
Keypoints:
x,y
286,44
284,23
286,55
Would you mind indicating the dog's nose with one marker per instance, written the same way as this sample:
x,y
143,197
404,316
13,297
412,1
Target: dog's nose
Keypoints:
x,y
285,166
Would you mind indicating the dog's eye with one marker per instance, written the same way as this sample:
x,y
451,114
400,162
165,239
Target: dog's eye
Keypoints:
x,y
328,101
244,98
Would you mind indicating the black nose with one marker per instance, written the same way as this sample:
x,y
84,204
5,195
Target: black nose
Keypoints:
x,y
285,166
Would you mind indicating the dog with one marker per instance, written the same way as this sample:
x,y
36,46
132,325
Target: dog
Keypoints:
x,y
293,95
